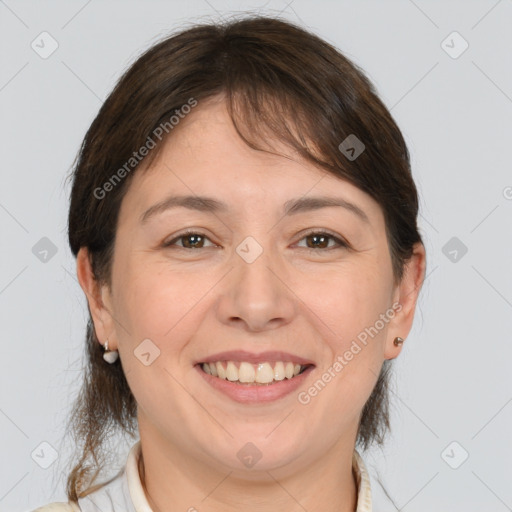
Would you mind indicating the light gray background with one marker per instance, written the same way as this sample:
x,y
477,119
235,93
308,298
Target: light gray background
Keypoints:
x,y
452,381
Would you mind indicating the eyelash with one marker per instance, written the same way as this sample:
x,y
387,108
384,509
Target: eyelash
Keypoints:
x,y
341,243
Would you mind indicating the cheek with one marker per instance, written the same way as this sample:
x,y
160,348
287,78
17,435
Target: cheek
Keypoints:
x,y
160,305
355,349
162,308
348,301
363,321
352,310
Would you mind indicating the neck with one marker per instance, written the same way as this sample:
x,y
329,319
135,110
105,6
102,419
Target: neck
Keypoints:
x,y
190,486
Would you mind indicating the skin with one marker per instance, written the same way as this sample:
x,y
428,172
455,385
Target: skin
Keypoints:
x,y
195,302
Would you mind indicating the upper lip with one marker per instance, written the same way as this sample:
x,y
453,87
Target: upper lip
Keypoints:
x,y
254,358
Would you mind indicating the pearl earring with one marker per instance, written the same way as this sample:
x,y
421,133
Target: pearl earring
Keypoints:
x,y
110,355
398,341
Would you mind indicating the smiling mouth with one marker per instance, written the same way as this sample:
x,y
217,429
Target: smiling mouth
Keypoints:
x,y
265,373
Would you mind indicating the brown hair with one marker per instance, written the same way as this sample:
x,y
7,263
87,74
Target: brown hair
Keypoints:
x,y
279,81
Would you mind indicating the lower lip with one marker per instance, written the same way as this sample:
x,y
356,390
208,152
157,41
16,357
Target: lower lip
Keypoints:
x,y
258,393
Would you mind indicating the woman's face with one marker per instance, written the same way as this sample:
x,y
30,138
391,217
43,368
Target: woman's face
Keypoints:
x,y
259,284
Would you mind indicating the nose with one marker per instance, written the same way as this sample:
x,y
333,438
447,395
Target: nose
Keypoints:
x,y
255,296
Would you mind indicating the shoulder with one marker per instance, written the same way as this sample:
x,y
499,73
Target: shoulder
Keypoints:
x,y
58,507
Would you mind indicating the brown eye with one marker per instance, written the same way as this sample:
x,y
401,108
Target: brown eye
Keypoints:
x,y
191,240
320,240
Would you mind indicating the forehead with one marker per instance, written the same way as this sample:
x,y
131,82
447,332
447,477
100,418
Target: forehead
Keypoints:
x,y
204,155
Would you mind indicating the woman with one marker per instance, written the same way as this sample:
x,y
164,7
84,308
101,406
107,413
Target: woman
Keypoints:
x,y
244,220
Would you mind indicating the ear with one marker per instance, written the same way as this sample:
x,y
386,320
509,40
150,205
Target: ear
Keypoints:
x,y
406,295
98,298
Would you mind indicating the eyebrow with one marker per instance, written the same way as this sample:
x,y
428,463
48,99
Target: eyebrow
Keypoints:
x,y
210,205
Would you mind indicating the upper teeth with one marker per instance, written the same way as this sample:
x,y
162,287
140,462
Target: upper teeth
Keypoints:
x,y
262,373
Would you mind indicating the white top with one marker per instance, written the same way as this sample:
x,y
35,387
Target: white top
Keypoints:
x,y
124,493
